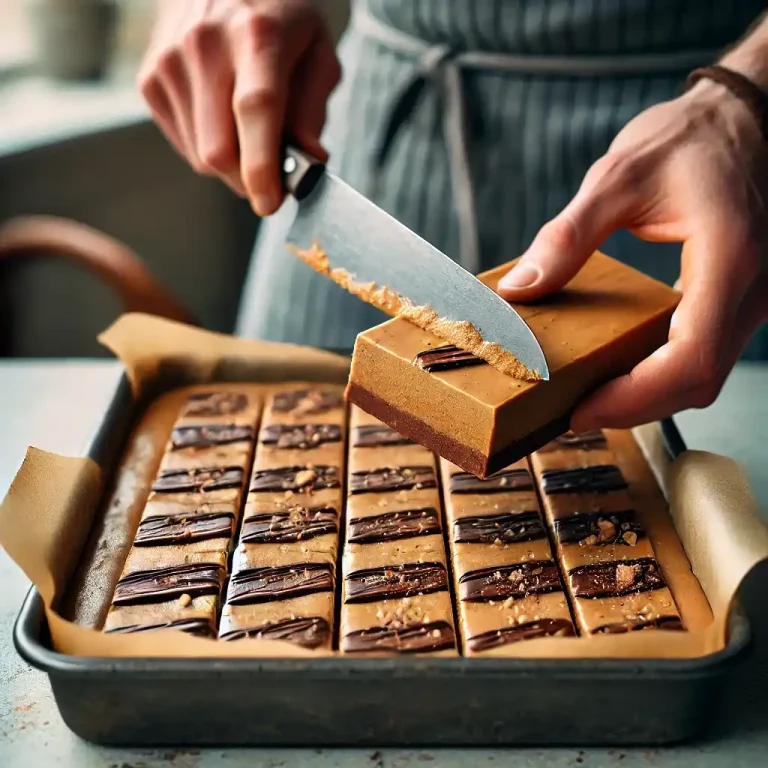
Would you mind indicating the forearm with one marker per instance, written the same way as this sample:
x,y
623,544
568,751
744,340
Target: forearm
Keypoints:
x,y
750,55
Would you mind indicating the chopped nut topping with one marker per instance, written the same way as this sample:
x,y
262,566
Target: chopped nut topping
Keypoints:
x,y
498,543
626,575
185,600
590,541
630,537
305,477
607,530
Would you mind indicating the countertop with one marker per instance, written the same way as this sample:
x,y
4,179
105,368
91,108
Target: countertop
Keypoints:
x,y
56,405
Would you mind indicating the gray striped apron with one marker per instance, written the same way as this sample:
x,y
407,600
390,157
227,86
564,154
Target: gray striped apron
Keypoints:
x,y
474,121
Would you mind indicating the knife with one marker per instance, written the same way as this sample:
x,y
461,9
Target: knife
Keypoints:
x,y
373,247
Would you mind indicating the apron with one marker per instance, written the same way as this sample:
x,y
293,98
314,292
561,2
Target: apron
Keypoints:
x,y
473,122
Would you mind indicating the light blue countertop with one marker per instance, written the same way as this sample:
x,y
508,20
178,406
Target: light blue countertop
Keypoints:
x,y
57,405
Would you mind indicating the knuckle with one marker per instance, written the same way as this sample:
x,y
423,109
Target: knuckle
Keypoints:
x,y
256,175
263,30
704,377
215,157
704,396
613,169
560,235
255,100
168,63
201,37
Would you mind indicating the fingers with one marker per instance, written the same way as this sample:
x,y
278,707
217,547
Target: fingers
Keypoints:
x,y
313,82
266,51
212,84
705,338
607,200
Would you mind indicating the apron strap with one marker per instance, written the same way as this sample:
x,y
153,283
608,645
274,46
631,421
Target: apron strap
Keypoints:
x,y
440,66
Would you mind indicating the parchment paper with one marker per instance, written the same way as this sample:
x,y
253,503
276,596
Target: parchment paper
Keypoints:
x,y
46,515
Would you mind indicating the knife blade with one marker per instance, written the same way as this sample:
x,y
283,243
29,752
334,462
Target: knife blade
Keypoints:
x,y
373,247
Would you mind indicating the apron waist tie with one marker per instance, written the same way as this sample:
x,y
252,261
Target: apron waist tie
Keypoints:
x,y
440,66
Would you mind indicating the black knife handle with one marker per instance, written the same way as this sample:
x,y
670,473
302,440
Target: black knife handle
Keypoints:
x,y
301,172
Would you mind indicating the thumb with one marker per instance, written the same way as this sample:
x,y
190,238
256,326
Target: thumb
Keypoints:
x,y
602,205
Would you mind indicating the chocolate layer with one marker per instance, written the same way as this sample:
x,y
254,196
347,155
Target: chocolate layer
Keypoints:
x,y
501,582
505,528
598,479
392,479
496,638
390,526
162,584
310,632
295,478
197,627
581,441
306,401
372,436
616,578
181,529
632,625
599,528
207,436
502,482
443,445
296,524
425,637
279,582
447,357
300,435
385,583
201,480
209,404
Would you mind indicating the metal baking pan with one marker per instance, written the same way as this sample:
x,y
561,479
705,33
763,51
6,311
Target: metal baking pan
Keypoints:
x,y
371,702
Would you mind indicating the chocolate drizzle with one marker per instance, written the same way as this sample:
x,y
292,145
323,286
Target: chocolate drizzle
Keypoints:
x,y
306,401
598,479
535,577
279,582
501,482
392,479
209,404
447,357
182,529
599,528
295,478
311,632
638,623
505,528
616,578
389,526
162,584
387,582
496,638
209,435
425,637
201,480
296,524
300,435
583,441
374,435
197,627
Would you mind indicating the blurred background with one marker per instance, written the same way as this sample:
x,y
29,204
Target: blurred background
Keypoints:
x,y
76,141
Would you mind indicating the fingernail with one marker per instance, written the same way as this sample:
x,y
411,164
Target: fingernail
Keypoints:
x,y
521,276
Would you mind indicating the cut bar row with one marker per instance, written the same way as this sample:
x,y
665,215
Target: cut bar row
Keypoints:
x,y
284,568
176,568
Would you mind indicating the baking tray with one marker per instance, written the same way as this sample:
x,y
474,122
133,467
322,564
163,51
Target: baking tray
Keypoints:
x,y
371,702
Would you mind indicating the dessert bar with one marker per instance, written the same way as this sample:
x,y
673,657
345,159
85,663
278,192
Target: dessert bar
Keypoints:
x,y
613,577
175,570
395,592
507,584
604,322
284,566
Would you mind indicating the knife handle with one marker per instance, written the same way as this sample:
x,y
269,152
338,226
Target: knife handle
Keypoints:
x,y
301,172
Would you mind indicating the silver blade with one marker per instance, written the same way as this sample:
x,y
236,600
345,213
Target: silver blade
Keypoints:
x,y
374,247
